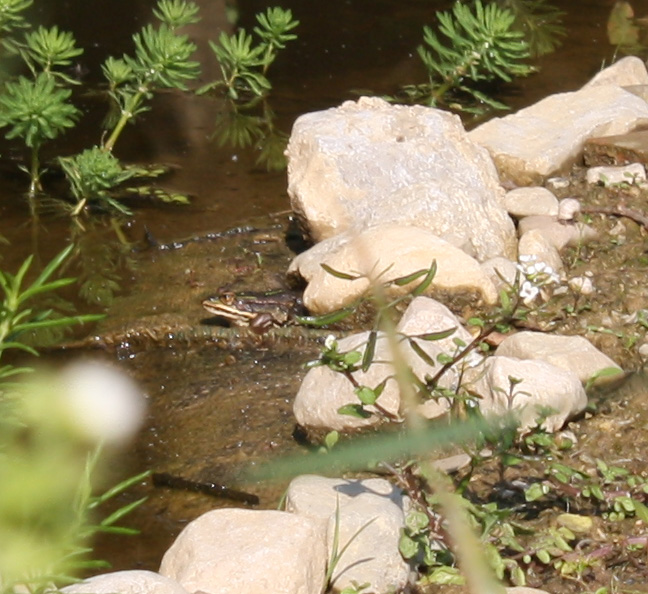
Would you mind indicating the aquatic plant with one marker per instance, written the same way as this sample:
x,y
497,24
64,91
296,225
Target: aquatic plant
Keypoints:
x,y
39,109
244,63
481,46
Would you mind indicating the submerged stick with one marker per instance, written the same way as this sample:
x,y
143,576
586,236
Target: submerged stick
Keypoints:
x,y
164,479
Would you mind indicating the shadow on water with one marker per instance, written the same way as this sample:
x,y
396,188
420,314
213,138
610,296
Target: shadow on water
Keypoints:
x,y
211,410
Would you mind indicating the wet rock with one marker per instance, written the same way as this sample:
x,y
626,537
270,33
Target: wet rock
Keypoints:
x,y
384,253
608,176
369,162
627,71
534,200
574,353
540,140
126,582
371,518
241,551
542,385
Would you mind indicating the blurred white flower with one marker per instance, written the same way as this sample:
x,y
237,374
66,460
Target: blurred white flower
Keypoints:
x,y
104,404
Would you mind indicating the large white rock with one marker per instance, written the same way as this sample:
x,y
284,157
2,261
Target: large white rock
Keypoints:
x,y
371,518
538,141
626,72
542,385
574,353
238,551
383,253
126,582
324,391
369,162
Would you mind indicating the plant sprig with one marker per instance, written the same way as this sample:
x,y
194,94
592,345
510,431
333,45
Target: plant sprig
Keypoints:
x,y
244,64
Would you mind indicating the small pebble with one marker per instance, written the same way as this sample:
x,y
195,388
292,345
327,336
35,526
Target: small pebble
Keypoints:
x,y
582,285
568,209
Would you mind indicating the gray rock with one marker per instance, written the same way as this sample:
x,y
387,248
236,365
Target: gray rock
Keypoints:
x,y
537,141
534,200
384,253
542,385
237,551
371,517
369,162
574,353
126,582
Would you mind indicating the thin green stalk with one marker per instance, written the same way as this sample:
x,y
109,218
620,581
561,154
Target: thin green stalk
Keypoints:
x,y
126,115
34,173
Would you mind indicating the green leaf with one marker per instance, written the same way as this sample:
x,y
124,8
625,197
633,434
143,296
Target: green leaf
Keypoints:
x,y
338,274
354,410
370,351
427,280
326,319
366,395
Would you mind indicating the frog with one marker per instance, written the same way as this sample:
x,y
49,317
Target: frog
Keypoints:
x,y
258,310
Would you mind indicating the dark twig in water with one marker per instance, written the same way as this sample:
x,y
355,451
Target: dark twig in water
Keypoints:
x,y
163,479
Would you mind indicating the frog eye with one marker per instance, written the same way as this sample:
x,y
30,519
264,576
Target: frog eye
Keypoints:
x,y
227,297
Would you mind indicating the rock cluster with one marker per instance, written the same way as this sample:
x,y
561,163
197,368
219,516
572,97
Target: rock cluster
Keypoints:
x,y
385,190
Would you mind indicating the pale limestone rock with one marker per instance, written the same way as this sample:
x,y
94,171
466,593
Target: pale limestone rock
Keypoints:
x,y
609,175
369,162
126,582
537,141
384,253
568,208
628,71
238,551
534,243
501,271
534,200
543,385
375,504
574,353
558,234
582,285
323,391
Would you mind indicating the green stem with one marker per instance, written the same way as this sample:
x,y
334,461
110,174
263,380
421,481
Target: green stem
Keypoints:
x,y
126,115
35,185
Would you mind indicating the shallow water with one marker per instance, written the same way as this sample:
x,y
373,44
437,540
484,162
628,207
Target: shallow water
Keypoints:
x,y
210,414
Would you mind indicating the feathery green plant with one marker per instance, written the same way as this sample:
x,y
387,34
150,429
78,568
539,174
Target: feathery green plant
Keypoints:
x,y
17,318
244,64
481,47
